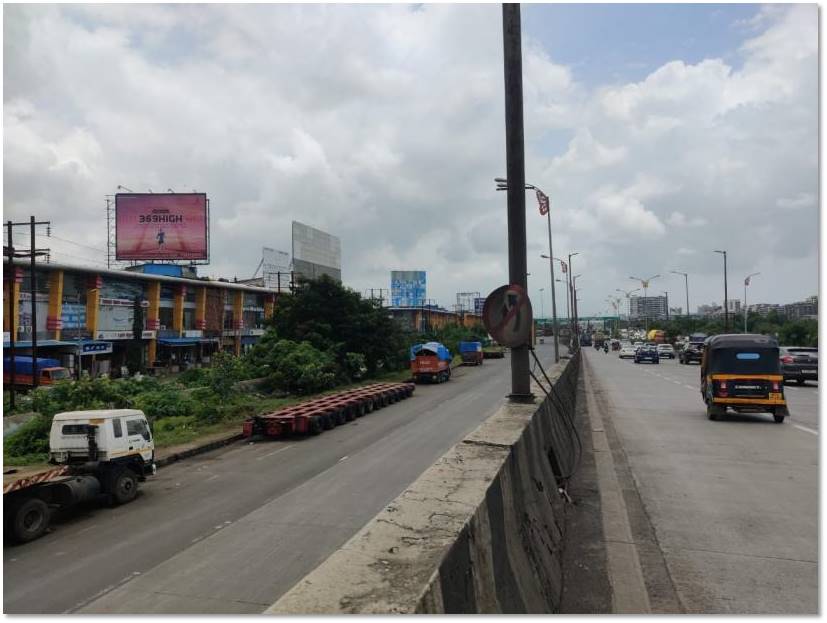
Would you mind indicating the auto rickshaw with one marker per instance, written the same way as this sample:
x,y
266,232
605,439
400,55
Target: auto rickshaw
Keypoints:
x,y
742,373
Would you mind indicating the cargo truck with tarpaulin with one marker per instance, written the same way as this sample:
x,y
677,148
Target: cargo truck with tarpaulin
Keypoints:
x,y
471,353
48,371
431,361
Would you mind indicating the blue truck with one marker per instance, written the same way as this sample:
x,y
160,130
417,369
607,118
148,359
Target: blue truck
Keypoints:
x,y
471,353
49,371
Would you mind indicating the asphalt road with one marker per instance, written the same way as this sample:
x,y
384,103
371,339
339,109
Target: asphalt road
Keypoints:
x,y
733,504
230,531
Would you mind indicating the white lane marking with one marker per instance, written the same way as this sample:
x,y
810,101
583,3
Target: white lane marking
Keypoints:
x,y
688,387
344,458
213,477
275,452
805,429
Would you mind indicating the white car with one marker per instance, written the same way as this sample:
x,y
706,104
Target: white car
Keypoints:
x,y
666,350
627,351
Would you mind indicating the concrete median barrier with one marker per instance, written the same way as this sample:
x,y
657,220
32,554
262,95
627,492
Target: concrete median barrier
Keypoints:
x,y
480,531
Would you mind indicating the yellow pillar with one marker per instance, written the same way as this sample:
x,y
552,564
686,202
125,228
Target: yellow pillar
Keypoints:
x,y
54,320
178,310
269,306
153,320
201,308
93,295
16,297
238,318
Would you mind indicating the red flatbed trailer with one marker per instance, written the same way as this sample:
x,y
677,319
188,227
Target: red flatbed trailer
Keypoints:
x,y
314,416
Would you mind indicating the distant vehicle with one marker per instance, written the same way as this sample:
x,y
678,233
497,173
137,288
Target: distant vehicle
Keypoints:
x,y
585,339
627,351
430,361
799,363
742,372
698,338
647,353
689,353
49,371
471,353
100,454
615,345
657,336
666,351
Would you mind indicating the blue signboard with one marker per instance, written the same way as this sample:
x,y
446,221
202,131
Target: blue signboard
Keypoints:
x,y
479,303
95,348
408,288
73,316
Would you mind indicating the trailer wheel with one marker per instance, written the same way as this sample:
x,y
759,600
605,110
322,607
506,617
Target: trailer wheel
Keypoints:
x,y
368,405
29,519
341,417
124,486
315,425
350,413
328,422
359,409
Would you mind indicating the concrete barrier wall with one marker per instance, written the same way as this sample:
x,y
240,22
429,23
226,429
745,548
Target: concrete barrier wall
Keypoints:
x,y
480,531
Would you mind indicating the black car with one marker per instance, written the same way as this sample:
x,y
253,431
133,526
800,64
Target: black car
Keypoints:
x,y
799,363
690,353
647,353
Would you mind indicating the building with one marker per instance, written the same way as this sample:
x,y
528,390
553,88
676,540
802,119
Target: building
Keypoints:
x,y
652,307
734,306
765,308
85,316
427,317
805,309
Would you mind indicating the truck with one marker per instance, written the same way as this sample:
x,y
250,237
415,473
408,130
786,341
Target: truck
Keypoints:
x,y
471,353
98,455
430,361
48,371
657,336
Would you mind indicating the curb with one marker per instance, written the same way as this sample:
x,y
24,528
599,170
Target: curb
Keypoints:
x,y
185,454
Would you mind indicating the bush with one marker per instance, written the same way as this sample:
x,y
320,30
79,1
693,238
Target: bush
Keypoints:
x,y
32,438
300,368
165,402
354,366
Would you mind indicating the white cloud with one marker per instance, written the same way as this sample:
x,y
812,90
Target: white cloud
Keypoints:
x,y
384,125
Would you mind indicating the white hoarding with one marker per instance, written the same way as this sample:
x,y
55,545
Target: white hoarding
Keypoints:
x,y
316,252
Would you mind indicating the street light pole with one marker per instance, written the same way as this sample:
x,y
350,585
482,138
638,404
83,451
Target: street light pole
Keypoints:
x,y
667,306
573,315
686,279
515,172
726,296
542,304
553,294
746,309
645,284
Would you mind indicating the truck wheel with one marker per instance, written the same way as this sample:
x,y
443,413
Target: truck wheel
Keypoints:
x,y
713,413
350,413
29,520
315,425
341,417
779,419
124,486
368,405
328,422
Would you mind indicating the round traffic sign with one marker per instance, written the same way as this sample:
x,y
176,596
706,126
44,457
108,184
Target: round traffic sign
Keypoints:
x,y
507,316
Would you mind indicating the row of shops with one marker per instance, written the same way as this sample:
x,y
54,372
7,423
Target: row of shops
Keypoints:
x,y
86,318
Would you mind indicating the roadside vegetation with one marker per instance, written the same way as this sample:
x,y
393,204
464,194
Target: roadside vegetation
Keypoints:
x,y
788,332
323,338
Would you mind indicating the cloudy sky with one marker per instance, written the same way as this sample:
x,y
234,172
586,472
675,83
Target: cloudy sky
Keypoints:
x,y
660,133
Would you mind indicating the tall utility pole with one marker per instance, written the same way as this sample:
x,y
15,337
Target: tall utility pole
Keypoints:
x,y
573,314
667,306
686,280
515,172
746,283
10,274
726,295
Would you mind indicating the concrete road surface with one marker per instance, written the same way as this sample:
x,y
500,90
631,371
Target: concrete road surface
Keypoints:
x,y
230,531
733,504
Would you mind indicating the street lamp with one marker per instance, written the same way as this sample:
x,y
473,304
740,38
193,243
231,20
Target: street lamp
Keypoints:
x,y
542,308
502,184
573,302
726,296
686,279
628,294
645,284
746,283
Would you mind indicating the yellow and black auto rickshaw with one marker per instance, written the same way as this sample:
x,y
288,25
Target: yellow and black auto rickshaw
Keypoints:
x,y
742,373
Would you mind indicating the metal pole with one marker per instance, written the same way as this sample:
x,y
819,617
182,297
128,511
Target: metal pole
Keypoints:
x,y
553,295
745,305
726,299
571,295
12,328
33,285
515,173
667,306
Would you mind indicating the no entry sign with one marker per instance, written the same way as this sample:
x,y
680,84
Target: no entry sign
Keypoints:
x,y
507,316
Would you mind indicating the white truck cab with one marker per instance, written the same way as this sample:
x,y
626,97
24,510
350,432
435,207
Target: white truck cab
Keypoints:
x,y
119,435
100,454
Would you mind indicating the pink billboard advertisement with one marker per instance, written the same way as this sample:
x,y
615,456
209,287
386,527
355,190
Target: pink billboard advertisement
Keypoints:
x,y
161,226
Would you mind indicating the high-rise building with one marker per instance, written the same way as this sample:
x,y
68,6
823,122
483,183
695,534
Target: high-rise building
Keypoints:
x,y
803,309
652,307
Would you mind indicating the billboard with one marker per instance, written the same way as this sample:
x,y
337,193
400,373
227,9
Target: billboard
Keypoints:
x,y
169,226
316,253
407,288
479,303
275,267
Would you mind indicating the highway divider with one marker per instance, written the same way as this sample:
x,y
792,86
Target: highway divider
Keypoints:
x,y
481,531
